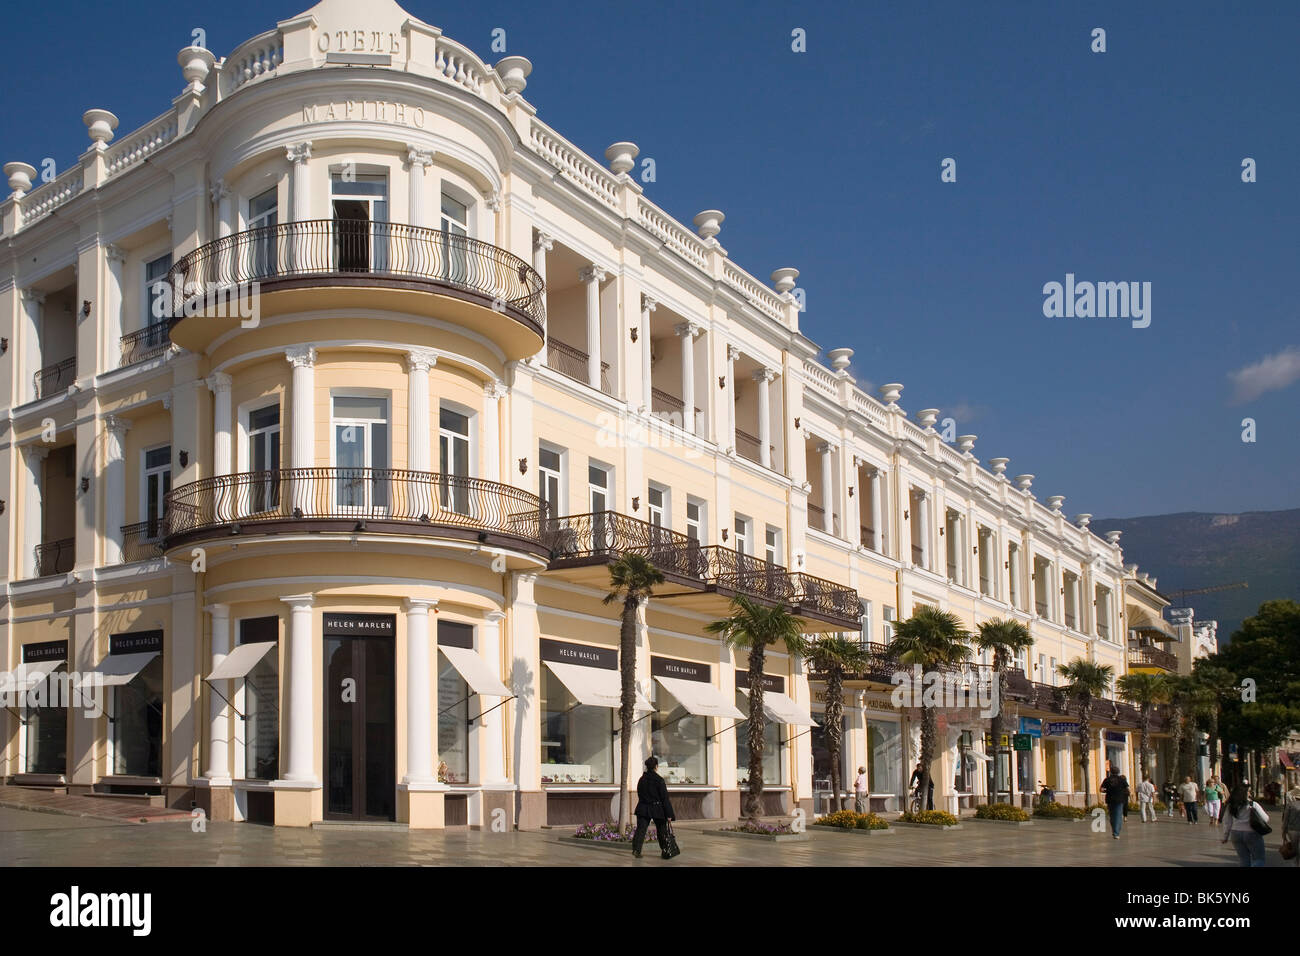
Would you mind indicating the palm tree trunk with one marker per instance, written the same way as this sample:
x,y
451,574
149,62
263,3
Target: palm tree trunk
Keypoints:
x,y
1144,740
834,725
1085,740
929,731
999,729
627,701
757,726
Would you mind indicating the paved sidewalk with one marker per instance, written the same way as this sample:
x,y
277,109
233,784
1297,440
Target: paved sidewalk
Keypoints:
x,y
100,808
29,839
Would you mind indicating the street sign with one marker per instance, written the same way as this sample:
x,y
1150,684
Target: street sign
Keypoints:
x,y
1023,742
1033,726
1062,728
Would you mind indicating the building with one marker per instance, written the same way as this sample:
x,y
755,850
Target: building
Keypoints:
x,y
332,392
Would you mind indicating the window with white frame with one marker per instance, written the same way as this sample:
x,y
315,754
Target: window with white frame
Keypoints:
x,y
657,506
264,213
550,479
741,527
772,545
157,482
156,295
453,458
865,619
888,616
360,451
599,484
453,223
695,519
264,456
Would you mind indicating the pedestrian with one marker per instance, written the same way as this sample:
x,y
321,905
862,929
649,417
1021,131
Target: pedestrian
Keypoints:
x,y
1240,824
1291,827
915,783
1146,798
860,791
653,804
1115,789
1171,797
1188,792
1214,798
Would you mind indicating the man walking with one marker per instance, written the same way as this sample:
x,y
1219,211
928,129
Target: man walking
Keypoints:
x,y
1146,798
860,791
1116,790
1189,792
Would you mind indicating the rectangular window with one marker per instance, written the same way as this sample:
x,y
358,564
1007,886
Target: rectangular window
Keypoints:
x,y
577,739
865,621
263,216
771,747
157,483
453,459
137,723
1052,671
885,757
157,298
772,545
264,457
656,505
677,739
453,707
598,487
262,701
46,726
361,452
550,480
360,205
742,534
454,226
695,526
887,628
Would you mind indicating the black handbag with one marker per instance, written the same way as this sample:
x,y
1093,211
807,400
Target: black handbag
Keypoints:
x,y
1258,825
671,849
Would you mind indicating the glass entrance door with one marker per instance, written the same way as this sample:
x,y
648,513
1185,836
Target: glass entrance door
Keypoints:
x,y
360,207
360,707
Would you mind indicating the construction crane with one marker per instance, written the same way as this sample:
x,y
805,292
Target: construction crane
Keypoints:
x,y
1177,596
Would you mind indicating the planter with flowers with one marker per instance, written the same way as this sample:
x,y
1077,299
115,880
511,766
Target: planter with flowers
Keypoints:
x,y
769,832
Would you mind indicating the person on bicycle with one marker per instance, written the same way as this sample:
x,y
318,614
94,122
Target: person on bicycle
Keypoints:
x,y
915,785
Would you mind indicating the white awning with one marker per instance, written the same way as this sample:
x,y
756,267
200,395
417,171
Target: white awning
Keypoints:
x,y
594,686
240,661
699,698
784,709
26,676
120,669
475,671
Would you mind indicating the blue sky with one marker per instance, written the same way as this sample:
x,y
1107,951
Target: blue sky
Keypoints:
x,y
1122,166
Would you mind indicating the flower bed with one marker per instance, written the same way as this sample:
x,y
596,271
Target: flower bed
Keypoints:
x,y
1001,813
1058,811
605,836
938,819
771,832
851,820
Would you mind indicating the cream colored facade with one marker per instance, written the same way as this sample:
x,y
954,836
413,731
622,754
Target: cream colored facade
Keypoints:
x,y
468,336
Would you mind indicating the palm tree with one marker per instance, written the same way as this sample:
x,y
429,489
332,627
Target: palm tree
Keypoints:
x,y
835,655
1144,690
1222,686
935,640
1085,682
631,579
1006,638
1180,693
754,626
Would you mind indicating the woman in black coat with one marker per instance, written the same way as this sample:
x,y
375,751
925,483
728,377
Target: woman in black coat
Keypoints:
x,y
652,804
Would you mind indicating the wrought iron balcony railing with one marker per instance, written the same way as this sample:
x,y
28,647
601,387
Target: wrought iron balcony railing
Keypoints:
x,y
316,248
385,500
572,363
55,557
142,541
53,378
1152,657
750,448
149,342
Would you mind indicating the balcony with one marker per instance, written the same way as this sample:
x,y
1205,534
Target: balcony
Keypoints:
x,y
55,378
748,447
572,363
361,263
1144,656
884,663
707,576
354,501
142,541
672,409
144,344
55,557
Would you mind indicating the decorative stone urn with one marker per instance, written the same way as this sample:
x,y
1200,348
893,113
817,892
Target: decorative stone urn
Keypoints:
x,y
1082,520
783,279
196,63
840,358
622,157
1131,569
100,124
965,443
1113,537
20,178
1023,482
1055,501
708,223
927,417
890,393
999,465
514,71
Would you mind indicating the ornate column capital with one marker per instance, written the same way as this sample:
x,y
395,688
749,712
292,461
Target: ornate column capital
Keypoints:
x,y
301,356
688,328
418,157
494,617
648,303
218,610
298,153
493,201
36,452
114,253
218,382
544,240
218,190
825,448
417,605
591,273
421,360
764,375
116,426
299,601
31,295
733,353
495,389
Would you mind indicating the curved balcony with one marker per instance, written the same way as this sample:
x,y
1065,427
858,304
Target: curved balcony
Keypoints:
x,y
477,283
354,501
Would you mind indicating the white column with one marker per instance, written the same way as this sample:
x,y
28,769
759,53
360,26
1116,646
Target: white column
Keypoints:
x,y
963,564
828,488
112,310
30,344
419,454
218,768
492,723
1015,594
592,276
114,487
923,514
222,423
733,354
687,331
854,533
542,244
877,513
300,761
764,378
417,161
493,392
220,194
33,506
299,155
419,694
302,413
648,305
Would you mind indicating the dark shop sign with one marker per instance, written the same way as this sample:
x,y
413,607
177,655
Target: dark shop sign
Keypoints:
x,y
341,624
683,670
770,682
562,652
137,642
45,651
